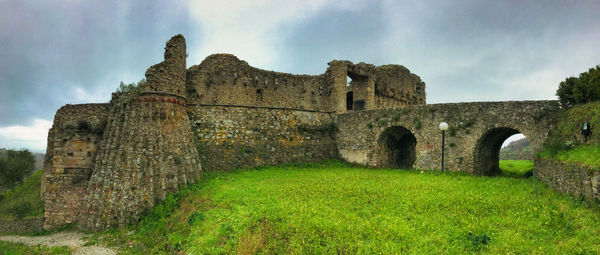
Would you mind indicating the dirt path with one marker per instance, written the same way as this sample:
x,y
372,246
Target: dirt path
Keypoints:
x,y
74,240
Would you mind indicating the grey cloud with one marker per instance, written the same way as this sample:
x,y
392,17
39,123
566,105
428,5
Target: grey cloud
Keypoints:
x,y
50,47
463,50
332,34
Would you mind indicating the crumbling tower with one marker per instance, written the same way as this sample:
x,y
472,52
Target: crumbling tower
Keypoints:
x,y
149,151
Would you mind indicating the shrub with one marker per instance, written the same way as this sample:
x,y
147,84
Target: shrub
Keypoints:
x,y
131,86
22,209
583,89
15,166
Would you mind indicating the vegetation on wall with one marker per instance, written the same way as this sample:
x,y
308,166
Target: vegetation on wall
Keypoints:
x,y
130,87
580,90
325,128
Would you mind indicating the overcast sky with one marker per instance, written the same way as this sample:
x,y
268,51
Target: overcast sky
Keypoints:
x,y
57,52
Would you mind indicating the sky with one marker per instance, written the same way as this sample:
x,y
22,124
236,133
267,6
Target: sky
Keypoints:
x,y
58,52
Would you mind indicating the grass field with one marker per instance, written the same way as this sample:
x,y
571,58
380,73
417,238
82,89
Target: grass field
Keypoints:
x,y
334,208
23,200
516,168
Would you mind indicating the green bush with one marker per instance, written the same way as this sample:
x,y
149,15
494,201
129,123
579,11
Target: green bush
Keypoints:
x,y
583,89
21,209
15,166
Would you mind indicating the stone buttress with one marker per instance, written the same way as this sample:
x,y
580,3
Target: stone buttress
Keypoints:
x,y
148,151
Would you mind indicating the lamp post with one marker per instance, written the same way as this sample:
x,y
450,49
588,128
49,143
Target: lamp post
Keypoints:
x,y
443,126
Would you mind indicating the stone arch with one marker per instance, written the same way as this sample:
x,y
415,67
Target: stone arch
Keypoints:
x,y
487,150
396,148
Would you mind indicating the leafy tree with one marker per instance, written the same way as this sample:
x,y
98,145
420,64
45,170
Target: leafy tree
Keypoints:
x,y
580,90
15,166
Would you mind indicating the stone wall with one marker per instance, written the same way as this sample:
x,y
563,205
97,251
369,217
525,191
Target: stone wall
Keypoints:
x,y
476,133
72,147
223,79
383,87
569,178
21,226
243,137
396,86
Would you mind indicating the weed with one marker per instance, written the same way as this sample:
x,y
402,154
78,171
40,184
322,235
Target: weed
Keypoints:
x,y
326,128
478,241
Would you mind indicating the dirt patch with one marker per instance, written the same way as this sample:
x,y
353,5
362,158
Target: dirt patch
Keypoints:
x,y
73,240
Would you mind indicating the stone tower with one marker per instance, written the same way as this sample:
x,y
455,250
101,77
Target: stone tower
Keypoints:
x,y
149,151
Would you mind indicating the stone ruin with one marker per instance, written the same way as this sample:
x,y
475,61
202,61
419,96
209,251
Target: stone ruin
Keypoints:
x,y
107,163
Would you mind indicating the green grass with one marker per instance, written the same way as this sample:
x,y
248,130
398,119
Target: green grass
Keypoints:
x,y
23,200
516,168
584,155
8,248
335,208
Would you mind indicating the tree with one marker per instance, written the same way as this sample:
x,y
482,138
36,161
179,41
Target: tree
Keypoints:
x,y
580,90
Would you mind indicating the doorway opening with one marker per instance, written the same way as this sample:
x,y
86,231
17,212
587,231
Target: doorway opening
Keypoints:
x,y
397,148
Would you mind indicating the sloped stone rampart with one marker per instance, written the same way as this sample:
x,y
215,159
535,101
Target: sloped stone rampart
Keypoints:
x,y
148,151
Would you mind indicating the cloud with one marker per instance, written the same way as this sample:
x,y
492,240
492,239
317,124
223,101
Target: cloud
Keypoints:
x,y
249,29
57,52
32,137
53,50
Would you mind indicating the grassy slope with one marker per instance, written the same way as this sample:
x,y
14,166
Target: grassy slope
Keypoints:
x,y
584,155
517,168
336,208
20,196
563,145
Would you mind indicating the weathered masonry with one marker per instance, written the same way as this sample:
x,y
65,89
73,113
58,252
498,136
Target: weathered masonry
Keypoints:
x,y
107,163
409,137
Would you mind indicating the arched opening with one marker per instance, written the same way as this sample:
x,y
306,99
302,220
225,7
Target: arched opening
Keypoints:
x,y
397,148
487,151
516,157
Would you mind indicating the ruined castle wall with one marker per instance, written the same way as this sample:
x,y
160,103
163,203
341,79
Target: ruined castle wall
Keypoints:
x,y
396,86
72,147
244,137
223,79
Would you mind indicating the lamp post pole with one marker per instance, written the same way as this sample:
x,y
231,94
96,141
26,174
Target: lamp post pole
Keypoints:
x,y
443,132
443,126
